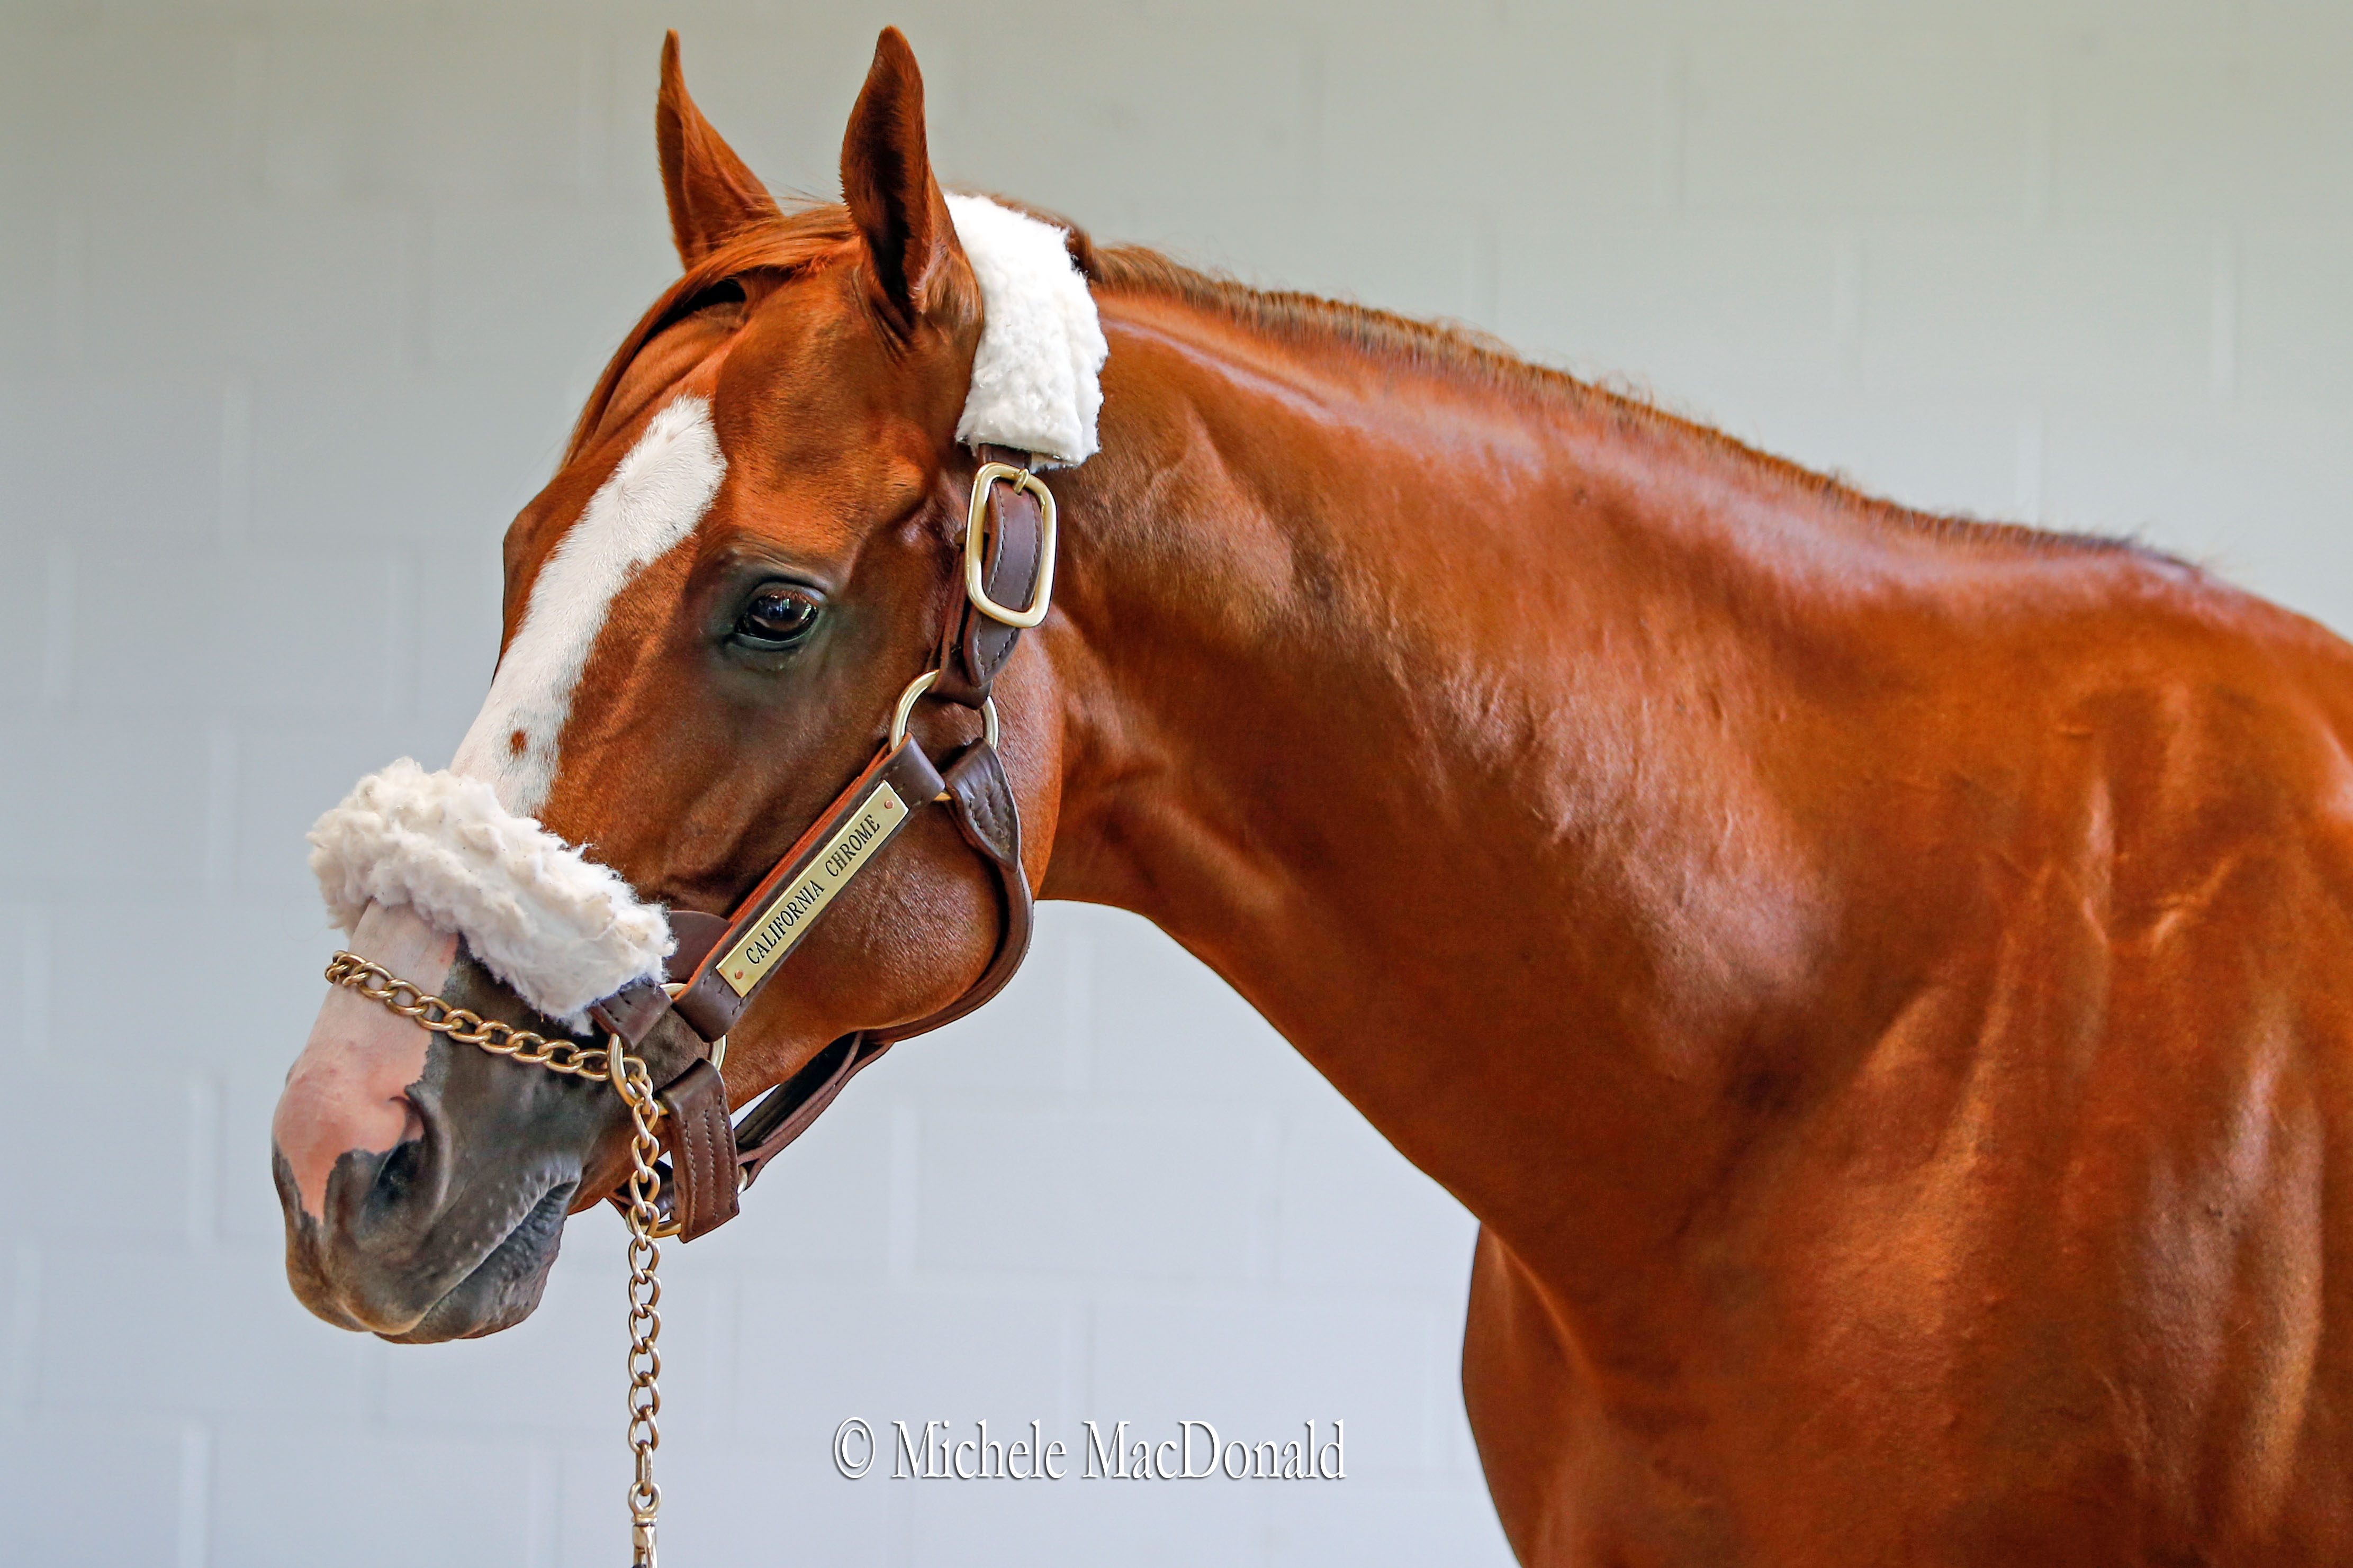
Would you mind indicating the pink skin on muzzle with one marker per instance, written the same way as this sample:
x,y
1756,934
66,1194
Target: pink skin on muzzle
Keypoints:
x,y
349,1088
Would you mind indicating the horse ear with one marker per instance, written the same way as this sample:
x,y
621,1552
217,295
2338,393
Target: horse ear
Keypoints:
x,y
712,197
886,176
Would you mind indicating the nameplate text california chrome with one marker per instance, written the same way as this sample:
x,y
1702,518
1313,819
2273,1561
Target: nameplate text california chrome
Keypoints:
x,y
800,901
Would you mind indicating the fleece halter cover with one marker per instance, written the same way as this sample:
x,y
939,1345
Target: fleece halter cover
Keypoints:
x,y
460,847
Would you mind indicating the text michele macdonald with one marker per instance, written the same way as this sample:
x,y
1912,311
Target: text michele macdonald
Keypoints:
x,y
1193,1451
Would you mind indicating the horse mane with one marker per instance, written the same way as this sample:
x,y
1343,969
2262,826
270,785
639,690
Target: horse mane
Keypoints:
x,y
820,232
1453,347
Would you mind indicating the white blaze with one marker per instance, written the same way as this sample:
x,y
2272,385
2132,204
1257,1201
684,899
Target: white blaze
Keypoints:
x,y
651,502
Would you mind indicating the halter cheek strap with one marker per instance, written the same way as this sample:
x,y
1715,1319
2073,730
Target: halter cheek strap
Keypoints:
x,y
720,964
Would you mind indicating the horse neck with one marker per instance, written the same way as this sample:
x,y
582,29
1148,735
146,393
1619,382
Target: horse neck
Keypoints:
x,y
1430,713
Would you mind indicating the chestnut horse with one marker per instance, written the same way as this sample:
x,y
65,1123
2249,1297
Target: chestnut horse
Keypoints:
x,y
1880,981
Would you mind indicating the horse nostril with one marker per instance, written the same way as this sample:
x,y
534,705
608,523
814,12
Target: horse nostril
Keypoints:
x,y
403,1169
406,1165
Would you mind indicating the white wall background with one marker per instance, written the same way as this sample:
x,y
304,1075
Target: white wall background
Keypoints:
x,y
296,301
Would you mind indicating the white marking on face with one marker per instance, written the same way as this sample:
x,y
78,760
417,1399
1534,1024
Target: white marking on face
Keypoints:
x,y
651,500
349,1088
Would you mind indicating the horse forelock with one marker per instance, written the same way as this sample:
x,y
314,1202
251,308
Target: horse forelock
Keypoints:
x,y
648,503
804,241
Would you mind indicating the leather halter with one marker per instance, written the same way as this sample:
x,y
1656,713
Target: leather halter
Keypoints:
x,y
720,964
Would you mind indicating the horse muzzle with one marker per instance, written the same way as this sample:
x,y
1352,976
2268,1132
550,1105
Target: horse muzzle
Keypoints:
x,y
425,1185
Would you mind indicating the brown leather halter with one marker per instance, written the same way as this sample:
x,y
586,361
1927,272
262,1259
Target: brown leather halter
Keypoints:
x,y
720,964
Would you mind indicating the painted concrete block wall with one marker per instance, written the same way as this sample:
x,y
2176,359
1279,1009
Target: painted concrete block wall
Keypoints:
x,y
296,301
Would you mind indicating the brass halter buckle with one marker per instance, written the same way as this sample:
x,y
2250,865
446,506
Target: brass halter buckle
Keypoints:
x,y
905,711
974,588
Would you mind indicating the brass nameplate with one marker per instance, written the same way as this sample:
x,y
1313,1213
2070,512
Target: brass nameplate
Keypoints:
x,y
788,917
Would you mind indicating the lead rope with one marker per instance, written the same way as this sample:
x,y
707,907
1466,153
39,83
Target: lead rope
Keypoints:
x,y
631,1079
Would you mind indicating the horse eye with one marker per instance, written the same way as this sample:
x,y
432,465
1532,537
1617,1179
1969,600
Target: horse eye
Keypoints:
x,y
779,616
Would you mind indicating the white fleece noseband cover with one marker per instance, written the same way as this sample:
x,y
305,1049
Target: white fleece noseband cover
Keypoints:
x,y
562,930
456,845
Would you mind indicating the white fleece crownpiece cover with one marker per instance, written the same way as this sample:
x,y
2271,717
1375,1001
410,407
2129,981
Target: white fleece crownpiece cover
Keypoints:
x,y
1037,380
562,930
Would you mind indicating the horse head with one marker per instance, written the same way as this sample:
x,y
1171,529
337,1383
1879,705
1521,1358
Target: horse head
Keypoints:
x,y
738,576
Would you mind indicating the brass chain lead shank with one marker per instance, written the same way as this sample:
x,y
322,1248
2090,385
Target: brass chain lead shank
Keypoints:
x,y
636,1091
631,1079
427,1011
